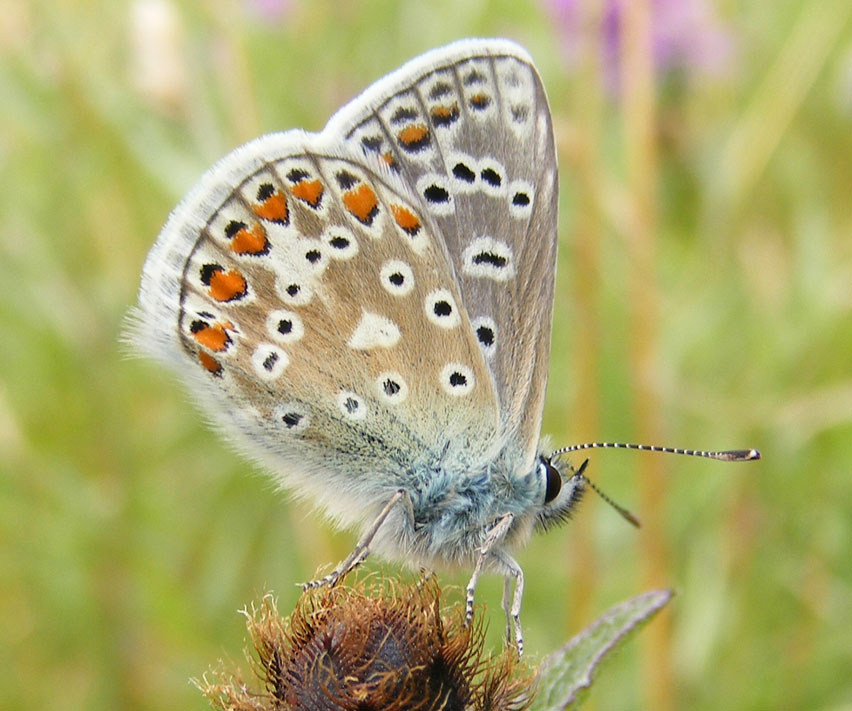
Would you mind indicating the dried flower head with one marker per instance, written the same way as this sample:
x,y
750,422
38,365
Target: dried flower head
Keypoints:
x,y
373,645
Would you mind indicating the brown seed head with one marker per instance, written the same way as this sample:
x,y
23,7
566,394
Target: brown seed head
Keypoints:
x,y
375,645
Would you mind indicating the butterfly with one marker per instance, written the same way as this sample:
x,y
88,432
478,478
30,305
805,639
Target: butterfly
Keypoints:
x,y
366,312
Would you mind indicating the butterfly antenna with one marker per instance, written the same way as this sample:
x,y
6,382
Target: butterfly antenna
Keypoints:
x,y
627,515
730,455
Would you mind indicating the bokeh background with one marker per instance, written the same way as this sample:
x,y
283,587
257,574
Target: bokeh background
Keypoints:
x,y
704,300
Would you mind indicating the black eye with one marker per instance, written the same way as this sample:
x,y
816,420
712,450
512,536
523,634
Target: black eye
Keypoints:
x,y
554,481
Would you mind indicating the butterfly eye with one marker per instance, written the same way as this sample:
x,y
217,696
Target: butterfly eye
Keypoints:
x,y
554,481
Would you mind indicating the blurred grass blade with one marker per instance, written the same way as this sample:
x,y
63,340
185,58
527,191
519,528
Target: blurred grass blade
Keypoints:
x,y
566,676
780,96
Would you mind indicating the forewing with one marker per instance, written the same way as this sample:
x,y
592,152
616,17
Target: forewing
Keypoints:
x,y
308,301
469,127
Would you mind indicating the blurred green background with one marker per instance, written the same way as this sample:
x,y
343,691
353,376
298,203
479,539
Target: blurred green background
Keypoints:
x,y
704,300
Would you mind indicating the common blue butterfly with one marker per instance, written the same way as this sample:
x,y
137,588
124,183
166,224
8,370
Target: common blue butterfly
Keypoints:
x,y
367,311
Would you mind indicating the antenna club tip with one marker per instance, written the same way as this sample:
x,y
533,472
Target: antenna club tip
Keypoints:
x,y
742,455
633,519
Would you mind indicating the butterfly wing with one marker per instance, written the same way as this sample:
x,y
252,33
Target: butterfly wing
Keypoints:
x,y
314,313
469,126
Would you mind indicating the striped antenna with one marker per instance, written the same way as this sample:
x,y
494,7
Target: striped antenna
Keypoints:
x,y
630,517
731,455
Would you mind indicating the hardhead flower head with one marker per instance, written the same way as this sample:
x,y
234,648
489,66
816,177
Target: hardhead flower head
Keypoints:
x,y
372,645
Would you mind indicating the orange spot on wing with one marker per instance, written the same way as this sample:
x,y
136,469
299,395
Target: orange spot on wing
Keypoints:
x,y
214,337
443,115
362,202
414,135
209,363
406,219
226,286
480,101
273,208
309,190
389,159
250,240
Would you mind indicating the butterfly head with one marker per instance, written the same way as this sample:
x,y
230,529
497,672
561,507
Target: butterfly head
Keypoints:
x,y
563,487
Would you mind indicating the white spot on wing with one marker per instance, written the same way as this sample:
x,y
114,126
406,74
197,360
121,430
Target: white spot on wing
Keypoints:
x,y
520,196
391,388
374,331
340,242
492,177
457,379
397,277
269,361
351,406
292,417
463,169
285,326
543,134
486,333
441,309
315,256
517,89
294,291
436,193
488,258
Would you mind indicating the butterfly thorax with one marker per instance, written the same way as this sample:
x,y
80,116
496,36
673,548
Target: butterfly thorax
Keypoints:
x,y
453,509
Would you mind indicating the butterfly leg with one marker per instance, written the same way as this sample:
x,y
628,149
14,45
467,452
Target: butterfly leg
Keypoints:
x,y
505,604
513,613
362,548
492,538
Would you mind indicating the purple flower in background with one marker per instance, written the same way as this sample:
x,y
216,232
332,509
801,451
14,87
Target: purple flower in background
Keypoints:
x,y
270,10
687,35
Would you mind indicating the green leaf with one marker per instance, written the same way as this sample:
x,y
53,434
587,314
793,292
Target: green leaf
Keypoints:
x,y
566,675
